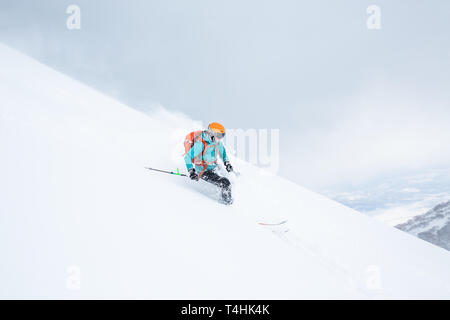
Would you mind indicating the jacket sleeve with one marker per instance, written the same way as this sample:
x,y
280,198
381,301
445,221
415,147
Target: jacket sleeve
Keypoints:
x,y
223,152
195,151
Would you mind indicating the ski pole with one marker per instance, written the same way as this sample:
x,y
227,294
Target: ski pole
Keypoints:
x,y
169,172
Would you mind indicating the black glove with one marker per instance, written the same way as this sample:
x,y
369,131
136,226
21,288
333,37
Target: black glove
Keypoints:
x,y
228,166
193,175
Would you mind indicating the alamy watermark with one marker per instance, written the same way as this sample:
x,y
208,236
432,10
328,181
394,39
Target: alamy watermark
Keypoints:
x,y
260,147
374,19
73,277
73,22
256,146
373,277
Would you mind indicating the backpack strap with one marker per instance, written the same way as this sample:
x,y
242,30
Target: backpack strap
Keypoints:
x,y
198,136
205,147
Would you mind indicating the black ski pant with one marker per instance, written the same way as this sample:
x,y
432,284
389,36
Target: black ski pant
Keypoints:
x,y
214,178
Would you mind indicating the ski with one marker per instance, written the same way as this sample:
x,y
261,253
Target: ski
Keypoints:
x,y
272,224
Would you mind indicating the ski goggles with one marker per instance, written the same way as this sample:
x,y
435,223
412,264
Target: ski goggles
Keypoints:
x,y
217,135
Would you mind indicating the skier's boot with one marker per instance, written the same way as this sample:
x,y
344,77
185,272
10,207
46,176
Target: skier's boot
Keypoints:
x,y
221,182
226,196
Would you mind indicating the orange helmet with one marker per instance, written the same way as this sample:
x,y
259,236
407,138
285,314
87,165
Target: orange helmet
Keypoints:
x,y
216,130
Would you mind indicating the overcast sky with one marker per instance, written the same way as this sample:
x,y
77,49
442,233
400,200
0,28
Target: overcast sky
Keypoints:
x,y
352,104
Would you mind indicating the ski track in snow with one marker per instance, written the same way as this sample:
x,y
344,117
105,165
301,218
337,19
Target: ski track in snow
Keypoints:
x,y
283,232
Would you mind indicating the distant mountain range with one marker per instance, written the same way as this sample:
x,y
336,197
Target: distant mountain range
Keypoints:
x,y
432,226
398,198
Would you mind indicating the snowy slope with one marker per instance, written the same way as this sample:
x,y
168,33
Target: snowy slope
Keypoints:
x,y
75,196
432,226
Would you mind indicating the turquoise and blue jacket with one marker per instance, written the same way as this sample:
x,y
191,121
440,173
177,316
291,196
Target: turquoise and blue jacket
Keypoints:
x,y
195,158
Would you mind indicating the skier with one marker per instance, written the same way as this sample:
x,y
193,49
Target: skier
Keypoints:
x,y
202,149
